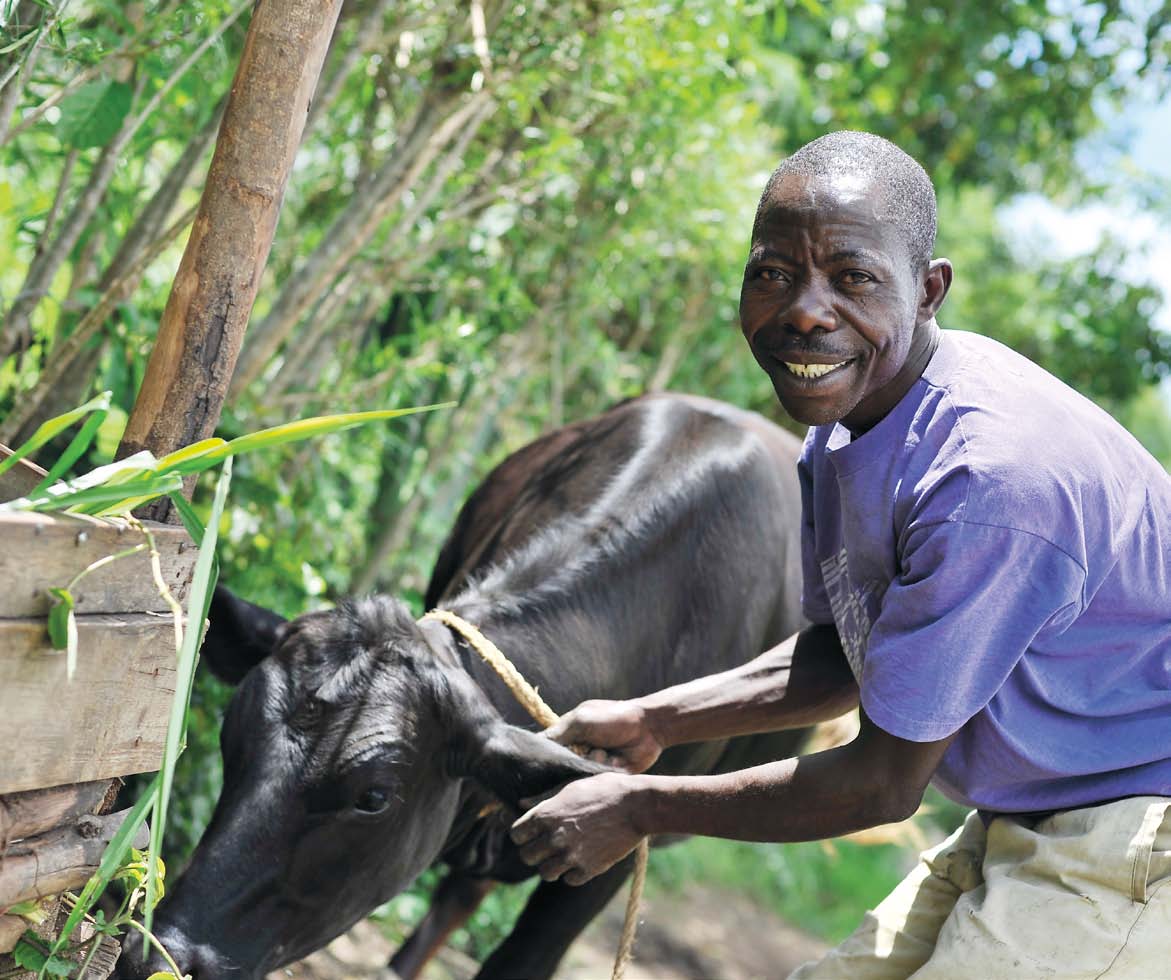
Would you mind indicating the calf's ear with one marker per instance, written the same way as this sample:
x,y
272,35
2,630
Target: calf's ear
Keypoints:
x,y
514,763
510,762
239,635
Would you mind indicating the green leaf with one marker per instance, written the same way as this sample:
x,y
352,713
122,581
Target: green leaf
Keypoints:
x,y
27,955
190,519
132,467
62,603
195,451
59,967
81,442
100,500
280,434
53,427
63,628
93,114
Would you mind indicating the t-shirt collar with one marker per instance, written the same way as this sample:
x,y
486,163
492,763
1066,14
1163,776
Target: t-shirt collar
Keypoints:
x,y
848,453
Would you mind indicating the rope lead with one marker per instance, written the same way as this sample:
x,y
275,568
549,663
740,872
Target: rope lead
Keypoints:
x,y
532,702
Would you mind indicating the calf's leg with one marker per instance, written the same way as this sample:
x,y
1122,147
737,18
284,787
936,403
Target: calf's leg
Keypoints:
x,y
455,898
552,919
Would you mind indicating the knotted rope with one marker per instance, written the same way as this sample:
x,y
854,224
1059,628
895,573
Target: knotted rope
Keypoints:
x,y
533,703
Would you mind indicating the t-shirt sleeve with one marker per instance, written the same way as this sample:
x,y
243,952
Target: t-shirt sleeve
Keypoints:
x,y
814,601
967,602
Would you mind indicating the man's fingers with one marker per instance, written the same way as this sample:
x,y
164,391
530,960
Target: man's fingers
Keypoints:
x,y
554,867
538,850
525,829
575,876
560,729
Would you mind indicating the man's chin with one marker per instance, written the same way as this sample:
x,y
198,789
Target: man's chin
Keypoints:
x,y
810,411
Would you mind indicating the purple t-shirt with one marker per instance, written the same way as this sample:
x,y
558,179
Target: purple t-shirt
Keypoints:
x,y
996,555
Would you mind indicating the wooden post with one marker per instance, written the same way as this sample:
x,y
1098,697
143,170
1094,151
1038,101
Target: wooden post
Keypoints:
x,y
207,312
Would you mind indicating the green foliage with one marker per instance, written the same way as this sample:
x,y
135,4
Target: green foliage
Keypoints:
x,y
1083,319
577,239
31,955
93,114
823,889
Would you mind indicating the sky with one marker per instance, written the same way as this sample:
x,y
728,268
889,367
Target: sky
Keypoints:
x,y
1042,225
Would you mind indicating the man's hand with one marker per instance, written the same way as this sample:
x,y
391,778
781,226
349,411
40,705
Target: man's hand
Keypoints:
x,y
614,733
585,829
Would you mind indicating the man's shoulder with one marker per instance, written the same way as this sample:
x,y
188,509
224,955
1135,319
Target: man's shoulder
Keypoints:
x,y
1033,453
1012,415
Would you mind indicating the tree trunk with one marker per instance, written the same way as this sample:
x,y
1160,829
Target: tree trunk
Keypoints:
x,y
207,313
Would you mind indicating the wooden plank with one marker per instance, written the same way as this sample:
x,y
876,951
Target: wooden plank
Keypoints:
x,y
110,720
28,814
39,552
104,960
21,479
62,859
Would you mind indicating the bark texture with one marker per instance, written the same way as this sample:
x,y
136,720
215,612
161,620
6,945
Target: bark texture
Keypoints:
x,y
207,313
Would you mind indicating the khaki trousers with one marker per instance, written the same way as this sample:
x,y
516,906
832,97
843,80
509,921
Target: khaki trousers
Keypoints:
x,y
1081,895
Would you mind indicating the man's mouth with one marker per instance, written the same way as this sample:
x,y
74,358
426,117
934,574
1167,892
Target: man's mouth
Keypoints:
x,y
814,371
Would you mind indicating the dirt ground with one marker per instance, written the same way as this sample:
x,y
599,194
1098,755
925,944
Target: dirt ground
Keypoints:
x,y
705,934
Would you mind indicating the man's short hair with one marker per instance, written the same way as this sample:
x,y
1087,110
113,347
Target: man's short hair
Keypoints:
x,y
908,195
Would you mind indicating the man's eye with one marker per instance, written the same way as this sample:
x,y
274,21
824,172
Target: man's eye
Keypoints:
x,y
772,275
855,277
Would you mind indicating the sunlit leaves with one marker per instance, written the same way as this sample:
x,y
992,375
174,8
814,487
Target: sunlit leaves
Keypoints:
x,y
93,114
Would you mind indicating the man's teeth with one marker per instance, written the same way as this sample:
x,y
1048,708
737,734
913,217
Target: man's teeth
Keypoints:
x,y
812,370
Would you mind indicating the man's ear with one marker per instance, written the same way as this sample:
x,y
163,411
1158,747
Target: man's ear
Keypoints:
x,y
512,763
936,283
239,635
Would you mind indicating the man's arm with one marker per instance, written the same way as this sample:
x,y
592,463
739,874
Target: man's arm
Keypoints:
x,y
593,823
799,682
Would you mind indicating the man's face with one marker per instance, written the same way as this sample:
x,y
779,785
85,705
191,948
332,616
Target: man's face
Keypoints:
x,y
830,304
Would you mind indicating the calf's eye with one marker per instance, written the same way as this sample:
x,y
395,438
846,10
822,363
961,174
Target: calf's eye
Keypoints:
x,y
374,800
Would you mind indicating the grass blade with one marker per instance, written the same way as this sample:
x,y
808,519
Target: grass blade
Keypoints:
x,y
187,453
289,432
99,499
54,427
113,858
197,602
190,519
80,443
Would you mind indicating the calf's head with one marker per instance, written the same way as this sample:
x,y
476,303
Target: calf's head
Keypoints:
x,y
345,747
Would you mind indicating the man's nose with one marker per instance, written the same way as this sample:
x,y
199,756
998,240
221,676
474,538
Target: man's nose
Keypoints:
x,y
811,309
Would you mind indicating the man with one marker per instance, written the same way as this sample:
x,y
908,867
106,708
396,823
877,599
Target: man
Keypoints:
x,y
987,564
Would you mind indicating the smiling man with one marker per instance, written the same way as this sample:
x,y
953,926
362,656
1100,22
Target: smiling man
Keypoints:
x,y
987,572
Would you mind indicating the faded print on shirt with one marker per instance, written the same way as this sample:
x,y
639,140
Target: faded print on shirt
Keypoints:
x,y
854,609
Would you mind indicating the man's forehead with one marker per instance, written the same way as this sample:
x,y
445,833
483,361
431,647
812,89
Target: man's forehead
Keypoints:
x,y
846,193
838,210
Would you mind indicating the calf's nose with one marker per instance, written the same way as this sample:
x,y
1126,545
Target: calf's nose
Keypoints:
x,y
198,961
